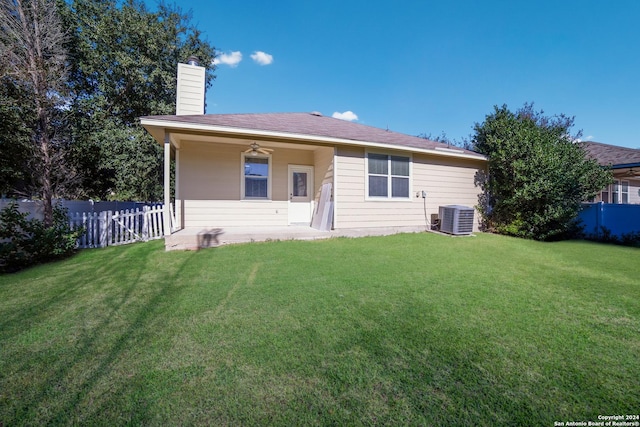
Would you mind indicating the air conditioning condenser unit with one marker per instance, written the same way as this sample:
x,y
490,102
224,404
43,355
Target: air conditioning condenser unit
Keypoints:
x,y
455,219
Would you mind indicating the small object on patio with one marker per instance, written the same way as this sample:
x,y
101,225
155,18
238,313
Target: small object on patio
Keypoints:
x,y
209,238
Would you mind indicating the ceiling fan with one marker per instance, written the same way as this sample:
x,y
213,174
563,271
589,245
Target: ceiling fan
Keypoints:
x,y
255,149
632,172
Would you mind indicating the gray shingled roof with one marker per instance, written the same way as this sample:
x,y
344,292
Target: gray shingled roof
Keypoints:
x,y
308,124
612,155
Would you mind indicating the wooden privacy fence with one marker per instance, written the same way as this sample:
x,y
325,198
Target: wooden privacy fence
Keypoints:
x,y
110,228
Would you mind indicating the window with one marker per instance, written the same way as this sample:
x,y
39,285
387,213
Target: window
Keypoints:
x,y
388,176
299,184
624,192
618,192
256,180
614,192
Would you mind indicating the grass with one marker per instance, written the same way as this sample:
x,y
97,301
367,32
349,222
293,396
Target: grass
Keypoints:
x,y
414,329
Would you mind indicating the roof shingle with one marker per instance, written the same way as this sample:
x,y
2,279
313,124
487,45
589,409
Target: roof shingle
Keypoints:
x,y
611,155
309,124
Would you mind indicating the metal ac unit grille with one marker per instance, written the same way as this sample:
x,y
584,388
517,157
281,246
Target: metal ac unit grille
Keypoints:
x,y
456,219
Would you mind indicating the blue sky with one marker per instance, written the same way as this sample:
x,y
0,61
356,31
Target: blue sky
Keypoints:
x,y
429,66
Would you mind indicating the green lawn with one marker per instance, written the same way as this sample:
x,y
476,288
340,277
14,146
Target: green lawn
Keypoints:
x,y
415,329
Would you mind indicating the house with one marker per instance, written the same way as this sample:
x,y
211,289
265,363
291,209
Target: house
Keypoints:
x,y
303,169
625,165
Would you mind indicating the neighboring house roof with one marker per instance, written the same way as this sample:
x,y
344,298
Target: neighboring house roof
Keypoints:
x,y
613,155
302,126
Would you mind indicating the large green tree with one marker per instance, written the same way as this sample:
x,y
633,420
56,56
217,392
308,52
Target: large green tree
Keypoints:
x,y
123,65
33,69
538,174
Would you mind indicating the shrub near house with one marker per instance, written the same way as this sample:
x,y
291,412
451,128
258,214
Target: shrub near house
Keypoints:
x,y
25,242
537,176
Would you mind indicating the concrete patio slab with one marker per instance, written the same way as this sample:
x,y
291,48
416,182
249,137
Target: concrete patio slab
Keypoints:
x,y
199,238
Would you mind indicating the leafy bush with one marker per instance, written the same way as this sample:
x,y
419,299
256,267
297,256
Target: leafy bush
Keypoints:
x,y
25,242
606,236
538,175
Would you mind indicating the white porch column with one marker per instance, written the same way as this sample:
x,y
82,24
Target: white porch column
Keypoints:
x,y
167,184
177,205
335,188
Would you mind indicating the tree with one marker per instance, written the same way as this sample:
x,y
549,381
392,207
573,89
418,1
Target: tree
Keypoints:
x,y
15,137
124,62
538,174
33,79
443,138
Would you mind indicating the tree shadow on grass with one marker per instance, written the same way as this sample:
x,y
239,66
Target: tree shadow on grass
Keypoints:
x,y
13,321
72,375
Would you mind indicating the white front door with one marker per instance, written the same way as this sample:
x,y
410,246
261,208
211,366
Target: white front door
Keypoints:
x,y
300,194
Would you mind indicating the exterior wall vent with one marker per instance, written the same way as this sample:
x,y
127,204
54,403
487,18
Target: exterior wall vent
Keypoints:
x,y
456,219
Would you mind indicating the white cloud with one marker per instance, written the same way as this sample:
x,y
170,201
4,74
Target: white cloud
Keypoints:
x,y
231,59
588,138
262,58
347,115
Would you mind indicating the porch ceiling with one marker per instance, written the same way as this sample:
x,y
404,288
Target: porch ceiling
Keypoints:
x,y
630,173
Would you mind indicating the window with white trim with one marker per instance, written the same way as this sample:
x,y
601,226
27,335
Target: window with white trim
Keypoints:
x,y
618,192
388,176
624,192
256,180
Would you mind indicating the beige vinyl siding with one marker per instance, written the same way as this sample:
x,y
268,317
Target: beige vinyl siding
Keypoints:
x,y
446,180
634,196
233,213
190,89
209,171
323,168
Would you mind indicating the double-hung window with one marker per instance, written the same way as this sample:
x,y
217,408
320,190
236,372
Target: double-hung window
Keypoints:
x,y
624,192
615,194
618,192
256,180
388,176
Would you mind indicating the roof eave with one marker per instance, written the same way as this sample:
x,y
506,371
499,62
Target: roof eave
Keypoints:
x,y
173,126
626,165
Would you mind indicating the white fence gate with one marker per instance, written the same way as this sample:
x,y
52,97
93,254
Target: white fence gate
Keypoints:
x,y
108,228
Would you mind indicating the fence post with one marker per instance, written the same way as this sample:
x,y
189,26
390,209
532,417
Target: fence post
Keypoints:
x,y
145,223
158,222
102,241
135,223
85,239
93,219
109,224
